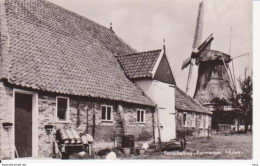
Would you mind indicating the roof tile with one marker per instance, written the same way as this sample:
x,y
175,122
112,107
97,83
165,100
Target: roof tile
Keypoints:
x,y
139,65
186,103
59,51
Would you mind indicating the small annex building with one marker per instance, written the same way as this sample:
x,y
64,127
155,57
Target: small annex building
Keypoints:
x,y
191,116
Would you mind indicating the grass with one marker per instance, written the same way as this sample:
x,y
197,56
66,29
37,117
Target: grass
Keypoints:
x,y
229,146
235,146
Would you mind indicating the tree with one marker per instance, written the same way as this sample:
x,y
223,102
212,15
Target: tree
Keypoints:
x,y
245,100
218,114
242,103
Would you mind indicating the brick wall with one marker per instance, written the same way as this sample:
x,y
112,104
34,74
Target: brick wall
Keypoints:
x,y
6,115
139,130
104,132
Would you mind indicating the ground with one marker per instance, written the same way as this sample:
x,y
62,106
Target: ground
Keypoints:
x,y
224,146
235,146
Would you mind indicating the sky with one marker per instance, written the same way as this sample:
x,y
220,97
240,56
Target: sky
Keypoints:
x,y
143,24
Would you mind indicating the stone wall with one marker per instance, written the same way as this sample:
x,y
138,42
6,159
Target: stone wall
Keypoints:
x,y
6,115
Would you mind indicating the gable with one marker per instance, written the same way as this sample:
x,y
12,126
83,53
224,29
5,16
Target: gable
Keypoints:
x,y
163,72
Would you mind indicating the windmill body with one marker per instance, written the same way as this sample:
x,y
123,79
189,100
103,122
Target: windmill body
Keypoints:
x,y
213,78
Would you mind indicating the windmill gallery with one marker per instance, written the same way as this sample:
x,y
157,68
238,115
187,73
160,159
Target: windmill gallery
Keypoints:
x,y
70,85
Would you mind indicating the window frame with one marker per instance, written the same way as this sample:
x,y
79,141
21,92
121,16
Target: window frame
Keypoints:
x,y
111,114
144,119
67,120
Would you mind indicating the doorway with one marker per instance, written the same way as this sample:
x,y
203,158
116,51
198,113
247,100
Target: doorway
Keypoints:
x,y
23,124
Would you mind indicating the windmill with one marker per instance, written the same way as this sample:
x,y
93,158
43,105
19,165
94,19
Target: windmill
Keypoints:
x,y
214,75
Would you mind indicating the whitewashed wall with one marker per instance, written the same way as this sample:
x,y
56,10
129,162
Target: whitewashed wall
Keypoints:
x,y
163,95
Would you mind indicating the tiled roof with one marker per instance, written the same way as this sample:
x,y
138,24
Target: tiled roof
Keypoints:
x,y
186,103
55,50
139,65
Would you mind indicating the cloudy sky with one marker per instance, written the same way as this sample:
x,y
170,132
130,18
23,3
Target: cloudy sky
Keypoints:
x,y
143,24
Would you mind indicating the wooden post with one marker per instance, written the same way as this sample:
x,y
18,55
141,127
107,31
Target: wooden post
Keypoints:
x,y
159,131
94,121
208,131
120,126
89,149
78,115
87,121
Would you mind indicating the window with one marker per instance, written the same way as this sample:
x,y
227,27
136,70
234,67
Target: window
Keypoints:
x,y
207,121
106,113
204,121
140,116
184,119
200,121
62,109
193,117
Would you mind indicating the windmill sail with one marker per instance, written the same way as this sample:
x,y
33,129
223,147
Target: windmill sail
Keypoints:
x,y
204,48
197,35
199,27
186,63
196,42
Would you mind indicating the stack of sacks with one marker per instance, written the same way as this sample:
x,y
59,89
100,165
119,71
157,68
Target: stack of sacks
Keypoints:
x,y
71,136
87,139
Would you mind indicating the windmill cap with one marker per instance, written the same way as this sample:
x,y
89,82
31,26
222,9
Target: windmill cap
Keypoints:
x,y
214,55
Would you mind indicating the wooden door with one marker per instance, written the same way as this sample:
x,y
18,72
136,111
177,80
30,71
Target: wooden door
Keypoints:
x,y
23,124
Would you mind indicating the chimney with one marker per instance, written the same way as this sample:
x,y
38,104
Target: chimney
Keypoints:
x,y
111,28
164,49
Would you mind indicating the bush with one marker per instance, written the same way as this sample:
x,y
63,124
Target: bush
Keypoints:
x,y
186,132
144,136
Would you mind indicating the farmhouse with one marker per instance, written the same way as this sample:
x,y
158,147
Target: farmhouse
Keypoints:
x,y
63,70
59,68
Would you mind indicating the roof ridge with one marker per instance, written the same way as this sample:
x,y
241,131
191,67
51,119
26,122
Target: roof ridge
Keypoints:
x,y
134,53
